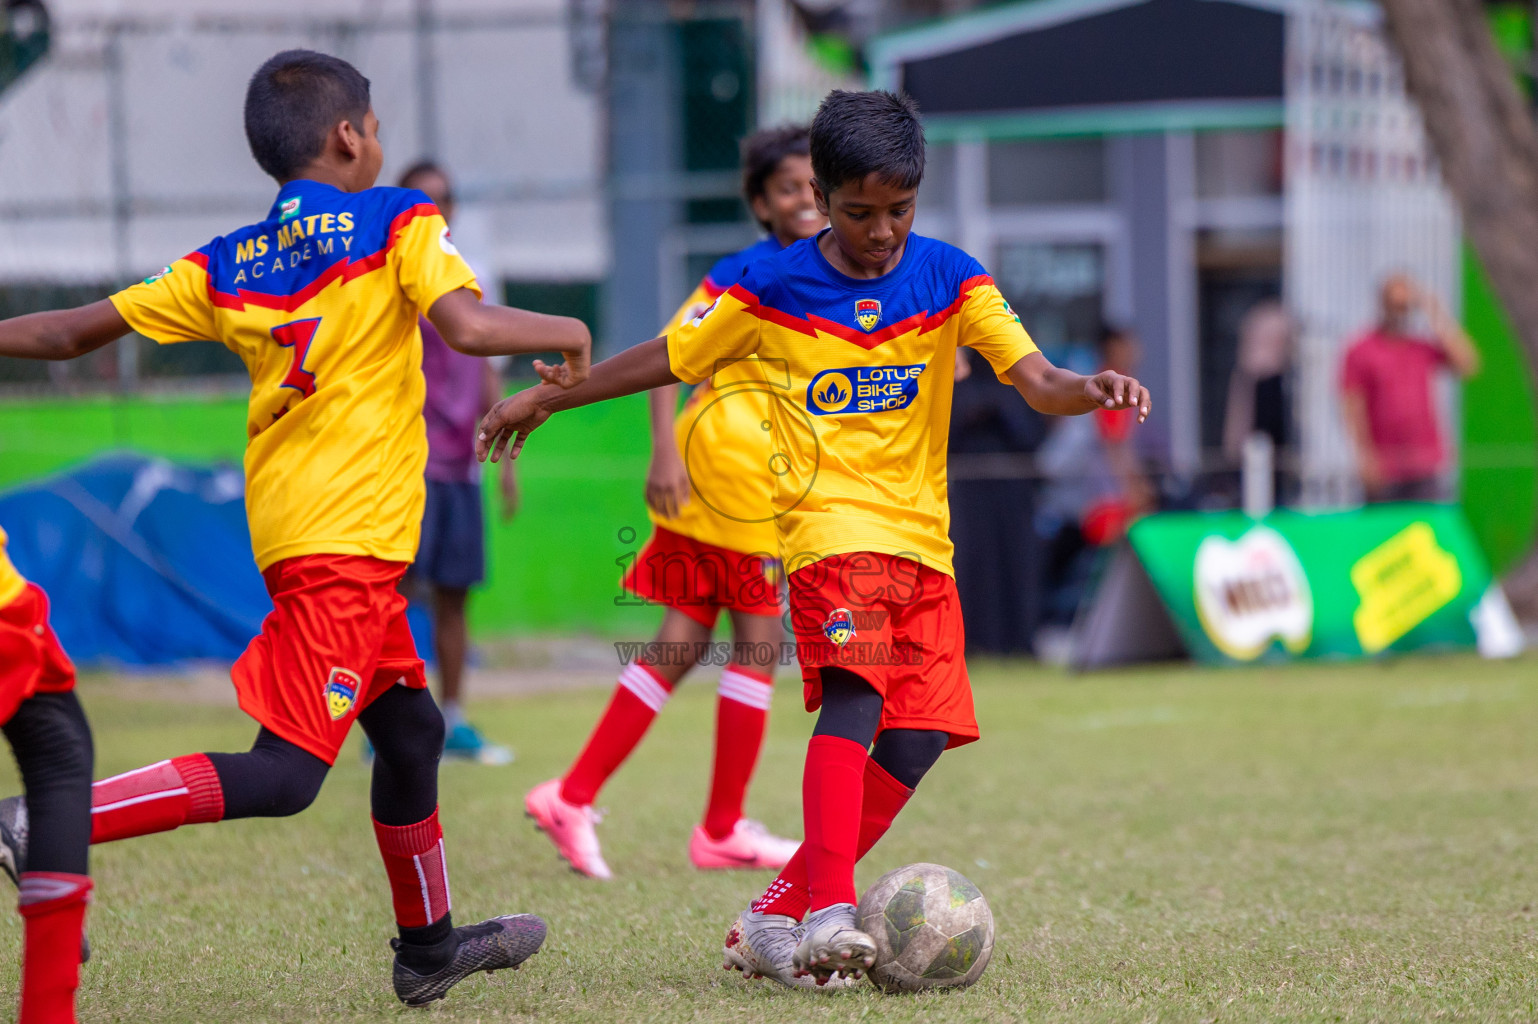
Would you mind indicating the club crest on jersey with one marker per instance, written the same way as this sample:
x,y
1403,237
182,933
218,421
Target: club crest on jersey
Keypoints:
x,y
341,691
839,627
289,210
852,389
867,313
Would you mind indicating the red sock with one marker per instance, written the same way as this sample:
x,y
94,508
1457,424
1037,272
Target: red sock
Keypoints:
x,y
639,696
157,798
419,876
742,713
53,905
884,798
832,787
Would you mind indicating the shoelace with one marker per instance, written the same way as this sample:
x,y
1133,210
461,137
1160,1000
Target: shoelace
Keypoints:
x,y
777,944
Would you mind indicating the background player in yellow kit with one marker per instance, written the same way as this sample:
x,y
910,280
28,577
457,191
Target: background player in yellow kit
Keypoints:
x,y
320,300
48,733
713,548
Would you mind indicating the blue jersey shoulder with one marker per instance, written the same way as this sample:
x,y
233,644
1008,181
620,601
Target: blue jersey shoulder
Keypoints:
x,y
728,270
800,281
310,231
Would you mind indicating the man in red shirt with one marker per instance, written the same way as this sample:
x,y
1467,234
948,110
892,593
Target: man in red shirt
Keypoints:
x,y
1386,387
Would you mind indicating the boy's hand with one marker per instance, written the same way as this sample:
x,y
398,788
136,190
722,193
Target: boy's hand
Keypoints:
x,y
667,483
569,374
508,425
1111,390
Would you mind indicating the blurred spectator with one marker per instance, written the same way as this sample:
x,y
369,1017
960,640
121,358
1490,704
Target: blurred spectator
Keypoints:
x,y
452,555
998,554
1258,400
1108,516
1097,485
1386,386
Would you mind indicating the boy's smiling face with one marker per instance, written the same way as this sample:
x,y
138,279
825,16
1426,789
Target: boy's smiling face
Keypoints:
x,y
787,203
871,219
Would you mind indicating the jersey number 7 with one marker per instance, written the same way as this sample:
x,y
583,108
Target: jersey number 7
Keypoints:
x,y
298,335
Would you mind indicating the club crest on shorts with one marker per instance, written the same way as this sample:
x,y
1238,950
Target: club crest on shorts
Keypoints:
x,y
840,626
867,313
341,691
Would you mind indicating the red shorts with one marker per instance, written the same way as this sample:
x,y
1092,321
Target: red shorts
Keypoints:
x,y
31,660
335,641
700,579
894,623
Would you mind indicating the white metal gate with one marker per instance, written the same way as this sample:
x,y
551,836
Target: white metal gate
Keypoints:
x,y
1363,199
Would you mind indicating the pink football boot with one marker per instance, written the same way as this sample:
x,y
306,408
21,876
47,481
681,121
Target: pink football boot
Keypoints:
x,y
569,827
750,845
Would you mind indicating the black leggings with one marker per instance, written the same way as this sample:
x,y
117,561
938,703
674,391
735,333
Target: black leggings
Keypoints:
x,y
851,710
52,743
276,778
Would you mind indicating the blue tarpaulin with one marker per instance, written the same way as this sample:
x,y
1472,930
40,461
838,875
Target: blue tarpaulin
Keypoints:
x,y
145,562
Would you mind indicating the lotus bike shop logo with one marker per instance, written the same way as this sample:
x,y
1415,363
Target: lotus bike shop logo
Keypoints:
x,y
1252,591
863,389
342,692
867,313
839,626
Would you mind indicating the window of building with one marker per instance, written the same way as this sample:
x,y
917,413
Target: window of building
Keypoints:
x,y
1046,171
1233,164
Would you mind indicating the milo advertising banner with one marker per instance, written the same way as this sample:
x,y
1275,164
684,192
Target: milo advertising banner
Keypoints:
x,y
1222,587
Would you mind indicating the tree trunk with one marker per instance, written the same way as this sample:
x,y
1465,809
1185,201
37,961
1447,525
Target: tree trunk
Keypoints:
x,y
1488,149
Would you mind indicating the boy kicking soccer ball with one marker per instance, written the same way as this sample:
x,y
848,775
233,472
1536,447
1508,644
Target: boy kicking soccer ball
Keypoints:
x,y
321,300
713,548
864,319
48,733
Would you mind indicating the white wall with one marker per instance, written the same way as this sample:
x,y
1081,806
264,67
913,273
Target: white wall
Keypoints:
x,y
124,147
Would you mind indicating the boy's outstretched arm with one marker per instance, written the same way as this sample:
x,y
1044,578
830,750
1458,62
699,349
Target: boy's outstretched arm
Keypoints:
x,y
62,333
474,328
511,420
1058,392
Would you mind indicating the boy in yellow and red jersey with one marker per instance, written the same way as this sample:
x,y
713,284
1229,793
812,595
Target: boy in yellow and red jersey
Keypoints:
x,y
863,322
713,549
48,733
321,300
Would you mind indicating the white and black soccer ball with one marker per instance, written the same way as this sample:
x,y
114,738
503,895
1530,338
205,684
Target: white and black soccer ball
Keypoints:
x,y
932,926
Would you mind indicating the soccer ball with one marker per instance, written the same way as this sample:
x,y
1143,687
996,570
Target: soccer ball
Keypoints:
x,y
932,927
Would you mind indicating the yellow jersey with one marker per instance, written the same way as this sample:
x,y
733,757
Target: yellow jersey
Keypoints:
x,y
12,583
723,435
860,413
320,301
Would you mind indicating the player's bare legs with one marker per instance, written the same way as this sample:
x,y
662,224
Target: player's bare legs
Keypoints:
x,y
726,839
451,642
563,808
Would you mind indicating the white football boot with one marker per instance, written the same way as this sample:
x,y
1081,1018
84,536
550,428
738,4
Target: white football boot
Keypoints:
x,y
764,945
832,945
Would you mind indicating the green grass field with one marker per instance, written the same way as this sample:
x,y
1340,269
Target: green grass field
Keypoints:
x,y
1343,843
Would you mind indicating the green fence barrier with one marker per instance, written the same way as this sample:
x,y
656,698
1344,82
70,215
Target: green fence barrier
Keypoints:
x,y
554,568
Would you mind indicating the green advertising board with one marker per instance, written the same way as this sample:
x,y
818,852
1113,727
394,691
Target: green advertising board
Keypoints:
x,y
1326,585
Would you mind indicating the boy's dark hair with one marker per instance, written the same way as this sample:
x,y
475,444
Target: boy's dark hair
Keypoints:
x,y
859,133
293,101
761,155
420,169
